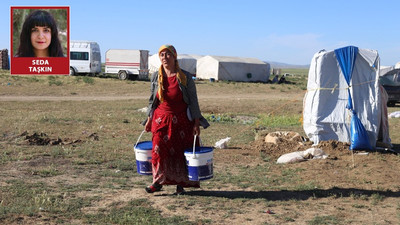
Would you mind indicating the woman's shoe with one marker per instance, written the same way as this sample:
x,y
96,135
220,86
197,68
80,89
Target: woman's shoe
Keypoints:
x,y
153,188
179,190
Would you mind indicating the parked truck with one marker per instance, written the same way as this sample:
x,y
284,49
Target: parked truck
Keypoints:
x,y
128,63
85,58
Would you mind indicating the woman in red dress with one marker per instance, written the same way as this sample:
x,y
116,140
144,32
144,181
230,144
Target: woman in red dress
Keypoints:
x,y
173,118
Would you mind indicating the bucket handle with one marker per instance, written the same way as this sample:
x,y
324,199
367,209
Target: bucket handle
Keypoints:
x,y
194,145
139,139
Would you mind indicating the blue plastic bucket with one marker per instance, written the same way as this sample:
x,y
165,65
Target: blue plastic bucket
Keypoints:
x,y
199,163
143,157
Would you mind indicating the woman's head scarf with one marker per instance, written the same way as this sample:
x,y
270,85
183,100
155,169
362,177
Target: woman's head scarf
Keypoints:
x,y
179,74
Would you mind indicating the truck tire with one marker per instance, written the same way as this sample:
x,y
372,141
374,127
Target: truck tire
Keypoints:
x,y
71,71
122,75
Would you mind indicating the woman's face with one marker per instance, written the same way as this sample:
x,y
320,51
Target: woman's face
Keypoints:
x,y
40,37
167,58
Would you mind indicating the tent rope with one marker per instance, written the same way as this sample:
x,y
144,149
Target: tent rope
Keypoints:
x,y
335,87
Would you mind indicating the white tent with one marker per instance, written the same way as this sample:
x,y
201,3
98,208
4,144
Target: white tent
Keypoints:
x,y
325,113
186,62
232,68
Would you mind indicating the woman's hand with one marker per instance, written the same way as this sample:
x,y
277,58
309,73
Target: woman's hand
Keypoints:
x,y
196,127
147,126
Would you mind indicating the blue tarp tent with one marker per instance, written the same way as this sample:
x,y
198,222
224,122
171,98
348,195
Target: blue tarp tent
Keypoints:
x,y
343,97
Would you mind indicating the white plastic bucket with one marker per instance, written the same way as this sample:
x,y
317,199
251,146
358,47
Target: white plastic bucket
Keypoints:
x,y
199,162
143,156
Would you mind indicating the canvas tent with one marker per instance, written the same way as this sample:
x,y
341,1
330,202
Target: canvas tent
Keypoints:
x,y
186,62
232,68
332,99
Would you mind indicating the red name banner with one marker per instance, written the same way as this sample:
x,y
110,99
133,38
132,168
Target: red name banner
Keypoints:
x,y
40,66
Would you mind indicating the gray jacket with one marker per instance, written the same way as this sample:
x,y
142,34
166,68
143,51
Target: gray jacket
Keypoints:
x,y
189,97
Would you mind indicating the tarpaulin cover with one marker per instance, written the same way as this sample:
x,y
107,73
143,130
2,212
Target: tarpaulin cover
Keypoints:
x,y
346,58
325,114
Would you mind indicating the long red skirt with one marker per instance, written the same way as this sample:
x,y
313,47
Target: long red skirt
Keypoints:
x,y
172,134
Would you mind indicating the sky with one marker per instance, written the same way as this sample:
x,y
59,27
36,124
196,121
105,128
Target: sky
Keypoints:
x,y
285,31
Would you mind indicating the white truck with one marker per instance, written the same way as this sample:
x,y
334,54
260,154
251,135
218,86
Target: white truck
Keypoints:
x,y
128,63
85,57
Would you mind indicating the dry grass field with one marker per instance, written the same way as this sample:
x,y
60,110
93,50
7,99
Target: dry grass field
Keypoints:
x,y
66,157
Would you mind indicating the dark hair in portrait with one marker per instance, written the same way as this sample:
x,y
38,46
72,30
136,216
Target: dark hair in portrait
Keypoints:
x,y
39,18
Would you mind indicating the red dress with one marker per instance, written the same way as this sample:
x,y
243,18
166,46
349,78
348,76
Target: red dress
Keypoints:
x,y
172,134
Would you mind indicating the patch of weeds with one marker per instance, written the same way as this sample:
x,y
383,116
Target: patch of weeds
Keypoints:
x,y
247,177
291,172
318,220
122,165
49,171
288,176
33,199
204,221
220,118
358,196
138,211
288,219
78,187
55,120
376,198
306,187
84,79
398,211
172,207
88,80
6,156
57,152
278,121
116,173
33,79
264,156
121,183
54,81
191,202
358,206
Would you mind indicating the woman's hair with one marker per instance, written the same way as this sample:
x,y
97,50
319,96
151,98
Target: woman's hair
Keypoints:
x,y
39,18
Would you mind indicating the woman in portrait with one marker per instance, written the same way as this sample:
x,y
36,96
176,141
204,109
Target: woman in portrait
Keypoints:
x,y
39,36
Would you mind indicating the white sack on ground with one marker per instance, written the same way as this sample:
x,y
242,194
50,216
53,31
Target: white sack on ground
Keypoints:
x,y
394,114
223,143
311,153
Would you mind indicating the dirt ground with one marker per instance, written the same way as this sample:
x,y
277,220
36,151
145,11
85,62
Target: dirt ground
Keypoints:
x,y
346,182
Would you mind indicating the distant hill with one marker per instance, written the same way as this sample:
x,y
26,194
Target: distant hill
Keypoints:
x,y
286,66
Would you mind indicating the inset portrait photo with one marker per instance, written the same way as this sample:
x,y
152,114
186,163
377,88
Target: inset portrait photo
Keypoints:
x,y
40,40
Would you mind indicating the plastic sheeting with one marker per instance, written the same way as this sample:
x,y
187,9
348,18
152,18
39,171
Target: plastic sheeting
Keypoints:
x,y
325,116
346,58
